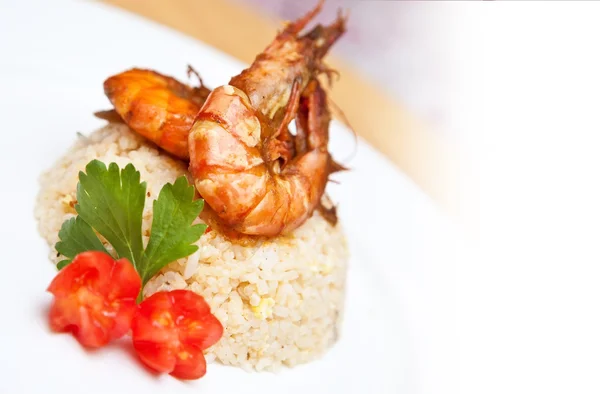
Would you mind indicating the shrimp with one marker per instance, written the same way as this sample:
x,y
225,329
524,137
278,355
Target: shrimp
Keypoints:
x,y
157,107
256,176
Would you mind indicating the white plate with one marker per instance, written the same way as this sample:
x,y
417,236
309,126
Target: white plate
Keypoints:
x,y
398,331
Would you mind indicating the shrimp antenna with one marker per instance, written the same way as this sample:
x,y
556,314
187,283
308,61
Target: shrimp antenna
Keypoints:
x,y
297,26
191,70
339,113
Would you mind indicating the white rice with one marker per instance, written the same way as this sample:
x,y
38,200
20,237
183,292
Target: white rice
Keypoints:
x,y
280,300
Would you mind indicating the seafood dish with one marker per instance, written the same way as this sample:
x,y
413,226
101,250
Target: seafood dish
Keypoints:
x,y
196,221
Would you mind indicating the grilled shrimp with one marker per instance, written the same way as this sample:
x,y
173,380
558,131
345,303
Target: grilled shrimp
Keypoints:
x,y
157,107
257,177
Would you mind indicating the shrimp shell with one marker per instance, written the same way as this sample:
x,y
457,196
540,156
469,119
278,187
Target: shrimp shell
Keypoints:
x,y
157,107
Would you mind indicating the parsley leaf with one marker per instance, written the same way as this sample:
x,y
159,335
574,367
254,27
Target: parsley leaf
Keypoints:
x,y
62,264
76,236
112,202
172,236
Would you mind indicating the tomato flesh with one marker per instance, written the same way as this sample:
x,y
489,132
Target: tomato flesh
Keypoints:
x,y
172,329
94,298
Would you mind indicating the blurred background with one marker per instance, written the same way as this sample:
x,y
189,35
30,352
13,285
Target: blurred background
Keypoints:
x,y
391,43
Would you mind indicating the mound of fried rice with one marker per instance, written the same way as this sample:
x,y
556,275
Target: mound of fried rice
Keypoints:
x,y
280,299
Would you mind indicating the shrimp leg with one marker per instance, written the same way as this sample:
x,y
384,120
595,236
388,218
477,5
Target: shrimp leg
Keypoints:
x,y
280,145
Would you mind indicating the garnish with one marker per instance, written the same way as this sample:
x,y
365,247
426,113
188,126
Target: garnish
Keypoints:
x,y
95,295
80,238
171,330
110,202
94,298
172,236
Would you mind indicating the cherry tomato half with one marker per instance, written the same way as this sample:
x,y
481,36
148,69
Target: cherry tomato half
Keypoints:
x,y
94,298
170,331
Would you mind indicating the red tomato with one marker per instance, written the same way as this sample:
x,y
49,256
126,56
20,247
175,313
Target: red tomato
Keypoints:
x,y
170,331
94,298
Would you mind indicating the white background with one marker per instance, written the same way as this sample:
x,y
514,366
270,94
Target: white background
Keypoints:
x,y
528,109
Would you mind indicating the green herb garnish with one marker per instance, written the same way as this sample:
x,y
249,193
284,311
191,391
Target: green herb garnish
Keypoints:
x,y
110,202
172,236
80,238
